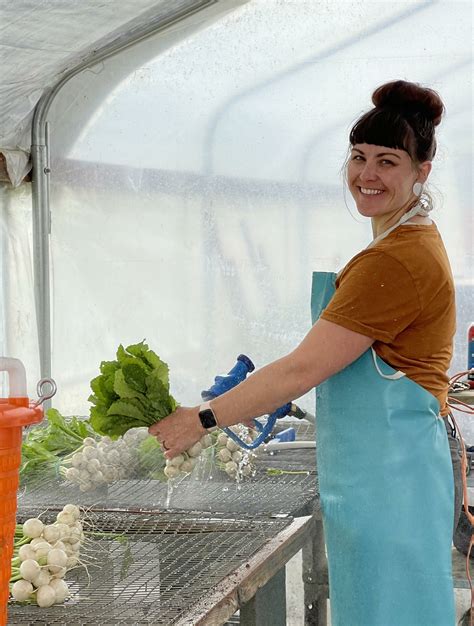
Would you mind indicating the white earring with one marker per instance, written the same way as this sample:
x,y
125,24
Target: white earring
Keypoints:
x,y
418,189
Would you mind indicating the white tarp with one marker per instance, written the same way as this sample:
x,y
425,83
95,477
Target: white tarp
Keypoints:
x,y
41,41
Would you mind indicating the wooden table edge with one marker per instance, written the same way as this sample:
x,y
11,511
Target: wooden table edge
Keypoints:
x,y
240,586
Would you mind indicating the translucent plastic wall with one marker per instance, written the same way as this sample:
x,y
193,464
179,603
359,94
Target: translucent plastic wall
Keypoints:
x,y
18,330
196,186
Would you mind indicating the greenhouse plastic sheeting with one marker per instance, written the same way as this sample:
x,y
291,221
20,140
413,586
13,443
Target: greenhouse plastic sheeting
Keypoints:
x,y
194,191
40,42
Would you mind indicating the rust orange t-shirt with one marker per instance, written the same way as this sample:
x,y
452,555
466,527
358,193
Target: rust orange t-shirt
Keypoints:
x,y
400,293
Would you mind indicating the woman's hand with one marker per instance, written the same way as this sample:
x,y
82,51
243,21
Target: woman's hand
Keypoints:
x,y
179,431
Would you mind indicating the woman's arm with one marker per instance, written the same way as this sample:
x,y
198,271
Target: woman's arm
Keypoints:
x,y
326,349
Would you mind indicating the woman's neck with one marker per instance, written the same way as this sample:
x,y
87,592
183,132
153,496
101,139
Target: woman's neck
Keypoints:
x,y
381,223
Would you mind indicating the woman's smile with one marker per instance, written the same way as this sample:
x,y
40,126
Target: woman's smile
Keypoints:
x,y
370,192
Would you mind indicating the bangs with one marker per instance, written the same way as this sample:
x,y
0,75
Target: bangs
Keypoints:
x,y
382,127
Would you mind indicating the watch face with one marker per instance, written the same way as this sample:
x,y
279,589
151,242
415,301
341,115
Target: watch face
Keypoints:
x,y
207,418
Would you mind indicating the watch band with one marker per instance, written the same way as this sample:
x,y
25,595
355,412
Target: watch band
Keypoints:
x,y
207,417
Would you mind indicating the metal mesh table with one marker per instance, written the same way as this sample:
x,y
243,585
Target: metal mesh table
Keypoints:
x,y
177,544
159,567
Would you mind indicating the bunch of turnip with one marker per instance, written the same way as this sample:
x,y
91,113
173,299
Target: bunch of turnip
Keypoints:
x,y
237,462
234,460
185,462
103,461
44,555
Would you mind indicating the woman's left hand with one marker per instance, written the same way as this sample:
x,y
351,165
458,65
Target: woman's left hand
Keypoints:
x,y
179,431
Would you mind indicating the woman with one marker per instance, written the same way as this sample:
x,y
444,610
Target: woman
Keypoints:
x,y
378,353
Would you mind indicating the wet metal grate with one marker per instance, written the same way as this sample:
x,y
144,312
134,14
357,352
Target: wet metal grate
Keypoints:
x,y
207,489
158,569
264,494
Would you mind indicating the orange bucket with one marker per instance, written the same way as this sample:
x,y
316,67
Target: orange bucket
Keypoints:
x,y
14,414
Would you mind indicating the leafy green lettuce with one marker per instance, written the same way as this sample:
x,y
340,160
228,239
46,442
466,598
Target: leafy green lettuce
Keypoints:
x,y
130,392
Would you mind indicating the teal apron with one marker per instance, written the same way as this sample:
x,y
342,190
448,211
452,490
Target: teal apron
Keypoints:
x,y
387,493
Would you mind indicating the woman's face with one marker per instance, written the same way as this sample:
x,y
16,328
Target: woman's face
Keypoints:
x,y
381,179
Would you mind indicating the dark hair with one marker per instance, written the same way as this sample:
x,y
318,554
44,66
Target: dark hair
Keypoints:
x,y
404,117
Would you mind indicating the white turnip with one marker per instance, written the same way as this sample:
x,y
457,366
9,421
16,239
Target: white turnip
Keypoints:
x,y
45,596
171,471
237,456
224,455
26,552
232,446
231,468
43,578
222,439
51,533
195,450
206,441
42,549
22,590
60,589
33,528
187,466
56,560
77,460
72,510
29,569
177,460
89,452
65,518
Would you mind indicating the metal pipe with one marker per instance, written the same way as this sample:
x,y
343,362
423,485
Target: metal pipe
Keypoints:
x,y
41,232
274,446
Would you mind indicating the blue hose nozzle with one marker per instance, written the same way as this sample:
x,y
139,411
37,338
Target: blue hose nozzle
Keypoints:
x,y
224,383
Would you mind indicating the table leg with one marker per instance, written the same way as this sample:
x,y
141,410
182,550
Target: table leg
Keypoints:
x,y
315,577
268,605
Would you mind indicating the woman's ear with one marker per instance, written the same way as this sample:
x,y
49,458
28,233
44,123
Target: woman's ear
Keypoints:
x,y
424,170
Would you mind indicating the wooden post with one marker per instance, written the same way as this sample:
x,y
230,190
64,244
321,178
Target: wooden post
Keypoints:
x,y
315,576
268,605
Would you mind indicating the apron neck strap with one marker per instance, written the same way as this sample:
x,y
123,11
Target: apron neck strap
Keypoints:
x,y
418,209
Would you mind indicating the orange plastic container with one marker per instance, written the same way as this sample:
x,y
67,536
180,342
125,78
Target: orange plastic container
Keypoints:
x,y
14,414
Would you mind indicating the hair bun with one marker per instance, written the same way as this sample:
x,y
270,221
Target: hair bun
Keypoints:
x,y
409,98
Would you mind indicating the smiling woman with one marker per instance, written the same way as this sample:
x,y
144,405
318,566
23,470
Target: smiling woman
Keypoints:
x,y
378,353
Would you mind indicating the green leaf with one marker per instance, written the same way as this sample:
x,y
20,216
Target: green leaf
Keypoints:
x,y
159,366
101,390
81,427
123,389
111,425
121,354
138,349
108,368
135,374
55,417
99,419
125,408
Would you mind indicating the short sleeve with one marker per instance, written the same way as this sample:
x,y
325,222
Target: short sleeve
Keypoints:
x,y
375,296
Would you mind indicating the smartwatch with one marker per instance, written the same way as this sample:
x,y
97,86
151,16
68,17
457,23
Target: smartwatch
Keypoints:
x,y
207,417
